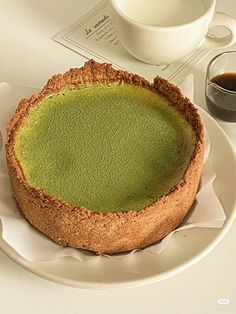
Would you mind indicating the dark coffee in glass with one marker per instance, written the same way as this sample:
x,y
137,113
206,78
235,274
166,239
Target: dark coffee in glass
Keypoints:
x,y
221,86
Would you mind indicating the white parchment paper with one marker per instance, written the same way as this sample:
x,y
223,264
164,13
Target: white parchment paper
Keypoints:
x,y
206,212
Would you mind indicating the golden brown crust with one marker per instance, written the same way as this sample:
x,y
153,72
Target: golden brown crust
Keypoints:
x,y
96,231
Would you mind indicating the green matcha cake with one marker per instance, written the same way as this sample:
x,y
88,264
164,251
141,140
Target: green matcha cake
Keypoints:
x,y
103,160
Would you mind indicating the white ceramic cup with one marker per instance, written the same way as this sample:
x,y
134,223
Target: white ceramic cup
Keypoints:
x,y
158,44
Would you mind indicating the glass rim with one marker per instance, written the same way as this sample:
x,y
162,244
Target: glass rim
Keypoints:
x,y
225,90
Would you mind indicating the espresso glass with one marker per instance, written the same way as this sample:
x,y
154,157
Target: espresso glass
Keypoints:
x,y
220,87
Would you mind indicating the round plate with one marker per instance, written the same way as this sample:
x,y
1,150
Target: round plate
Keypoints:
x,y
185,249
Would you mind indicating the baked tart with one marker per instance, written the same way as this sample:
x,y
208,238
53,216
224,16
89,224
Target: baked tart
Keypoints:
x,y
103,160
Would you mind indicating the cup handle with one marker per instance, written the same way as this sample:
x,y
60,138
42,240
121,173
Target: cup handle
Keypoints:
x,y
221,19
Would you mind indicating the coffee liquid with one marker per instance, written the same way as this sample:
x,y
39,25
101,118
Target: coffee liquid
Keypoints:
x,y
222,103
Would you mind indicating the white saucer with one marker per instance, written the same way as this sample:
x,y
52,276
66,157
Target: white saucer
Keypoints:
x,y
185,249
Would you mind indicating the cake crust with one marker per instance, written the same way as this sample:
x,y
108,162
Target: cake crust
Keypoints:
x,y
80,227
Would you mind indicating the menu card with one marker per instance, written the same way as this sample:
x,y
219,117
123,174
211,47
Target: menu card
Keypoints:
x,y
93,37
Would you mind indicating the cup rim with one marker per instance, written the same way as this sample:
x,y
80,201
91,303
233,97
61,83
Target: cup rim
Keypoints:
x,y
222,89
164,28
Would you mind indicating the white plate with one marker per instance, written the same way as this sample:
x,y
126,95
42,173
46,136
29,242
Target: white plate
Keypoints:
x,y
185,249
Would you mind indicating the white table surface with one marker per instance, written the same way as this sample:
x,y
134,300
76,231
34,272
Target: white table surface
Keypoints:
x,y
29,57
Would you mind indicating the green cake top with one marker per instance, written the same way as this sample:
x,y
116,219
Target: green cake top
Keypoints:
x,y
108,148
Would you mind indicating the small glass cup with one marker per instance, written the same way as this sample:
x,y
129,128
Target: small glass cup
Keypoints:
x,y
220,87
